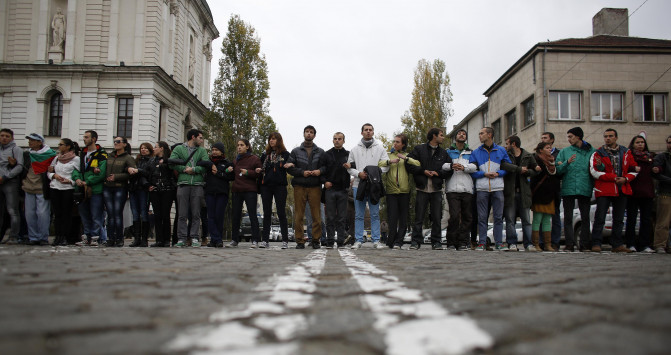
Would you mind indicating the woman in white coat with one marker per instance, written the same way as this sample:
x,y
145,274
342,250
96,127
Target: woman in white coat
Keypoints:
x,y
62,189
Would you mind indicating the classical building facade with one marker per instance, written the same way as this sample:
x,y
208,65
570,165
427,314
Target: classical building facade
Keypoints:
x,y
607,80
133,68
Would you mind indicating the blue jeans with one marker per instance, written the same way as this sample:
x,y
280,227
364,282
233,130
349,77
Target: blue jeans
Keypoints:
x,y
38,217
515,209
216,209
360,213
115,199
139,206
91,212
483,200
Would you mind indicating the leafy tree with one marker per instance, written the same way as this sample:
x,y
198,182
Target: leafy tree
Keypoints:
x,y
431,101
240,95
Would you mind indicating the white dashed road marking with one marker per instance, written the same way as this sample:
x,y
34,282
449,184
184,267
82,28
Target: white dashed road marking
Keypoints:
x,y
410,322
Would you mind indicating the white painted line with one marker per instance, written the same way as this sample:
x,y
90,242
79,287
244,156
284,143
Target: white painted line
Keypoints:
x,y
410,322
277,310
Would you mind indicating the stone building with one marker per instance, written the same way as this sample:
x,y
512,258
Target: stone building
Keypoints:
x,y
133,68
607,80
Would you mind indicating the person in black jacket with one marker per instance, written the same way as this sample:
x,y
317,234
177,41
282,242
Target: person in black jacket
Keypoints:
x,y
429,178
216,193
162,192
138,188
336,181
274,184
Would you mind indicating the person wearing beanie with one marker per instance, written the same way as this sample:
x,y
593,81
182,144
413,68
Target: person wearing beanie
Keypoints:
x,y
216,193
573,167
37,204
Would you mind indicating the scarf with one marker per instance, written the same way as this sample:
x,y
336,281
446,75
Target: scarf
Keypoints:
x,y
548,161
367,143
41,159
240,156
66,157
642,156
614,154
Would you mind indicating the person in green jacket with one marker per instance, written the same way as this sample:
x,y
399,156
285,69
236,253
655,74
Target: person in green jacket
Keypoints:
x,y
89,178
190,182
573,167
397,189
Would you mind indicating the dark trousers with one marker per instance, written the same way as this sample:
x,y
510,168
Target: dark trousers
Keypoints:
x,y
161,202
583,206
423,200
61,206
336,215
216,209
619,204
249,198
279,193
397,218
634,204
461,217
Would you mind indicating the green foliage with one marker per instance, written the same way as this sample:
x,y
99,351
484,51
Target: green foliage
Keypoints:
x,y
431,101
240,95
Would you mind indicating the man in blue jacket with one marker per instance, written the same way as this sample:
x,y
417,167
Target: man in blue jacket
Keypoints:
x,y
489,186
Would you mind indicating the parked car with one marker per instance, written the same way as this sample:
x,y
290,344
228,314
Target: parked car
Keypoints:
x,y
290,234
427,236
246,227
275,233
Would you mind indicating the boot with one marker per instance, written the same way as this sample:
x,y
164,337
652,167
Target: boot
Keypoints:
x,y
547,241
144,234
136,234
57,241
535,240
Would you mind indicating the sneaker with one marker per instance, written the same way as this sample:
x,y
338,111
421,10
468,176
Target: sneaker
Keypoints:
x,y
437,246
232,244
463,248
285,245
180,244
502,247
211,244
632,248
119,243
264,245
328,245
254,245
84,243
569,248
451,248
396,247
316,244
414,246
480,247
621,249
530,247
596,249
648,250
356,245
300,245
513,247
195,243
377,245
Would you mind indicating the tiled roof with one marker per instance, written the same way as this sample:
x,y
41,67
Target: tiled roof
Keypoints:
x,y
611,41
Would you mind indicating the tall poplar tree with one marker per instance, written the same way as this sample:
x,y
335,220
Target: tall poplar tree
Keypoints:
x,y
240,95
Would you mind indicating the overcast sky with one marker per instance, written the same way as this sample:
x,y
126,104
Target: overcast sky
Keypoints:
x,y
339,64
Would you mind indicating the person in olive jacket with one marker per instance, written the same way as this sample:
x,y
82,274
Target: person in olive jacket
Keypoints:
x,y
190,181
573,167
216,193
115,189
397,189
244,190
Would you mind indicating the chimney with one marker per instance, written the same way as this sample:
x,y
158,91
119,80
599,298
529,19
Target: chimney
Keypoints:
x,y
608,21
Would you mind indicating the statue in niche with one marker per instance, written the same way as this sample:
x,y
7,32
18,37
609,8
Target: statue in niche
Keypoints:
x,y
58,30
192,67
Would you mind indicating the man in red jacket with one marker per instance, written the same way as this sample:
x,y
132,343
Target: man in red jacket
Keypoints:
x,y
612,167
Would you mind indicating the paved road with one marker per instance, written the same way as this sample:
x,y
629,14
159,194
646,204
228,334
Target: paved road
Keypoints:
x,y
69,300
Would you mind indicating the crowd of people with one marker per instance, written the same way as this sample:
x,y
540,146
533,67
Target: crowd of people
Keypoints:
x,y
87,189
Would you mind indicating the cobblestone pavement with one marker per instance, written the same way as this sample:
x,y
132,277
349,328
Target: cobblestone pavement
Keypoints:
x,y
69,300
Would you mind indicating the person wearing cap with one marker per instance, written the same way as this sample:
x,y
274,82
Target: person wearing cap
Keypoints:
x,y
11,166
216,192
573,167
35,185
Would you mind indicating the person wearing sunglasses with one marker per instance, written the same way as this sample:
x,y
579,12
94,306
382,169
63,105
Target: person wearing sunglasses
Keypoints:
x,y
116,189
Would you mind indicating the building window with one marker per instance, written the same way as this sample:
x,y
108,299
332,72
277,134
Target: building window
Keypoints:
x,y
485,118
496,126
650,108
607,106
511,123
564,105
125,118
528,107
56,114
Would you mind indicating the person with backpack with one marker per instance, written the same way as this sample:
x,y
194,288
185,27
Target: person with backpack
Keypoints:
x,y
11,166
